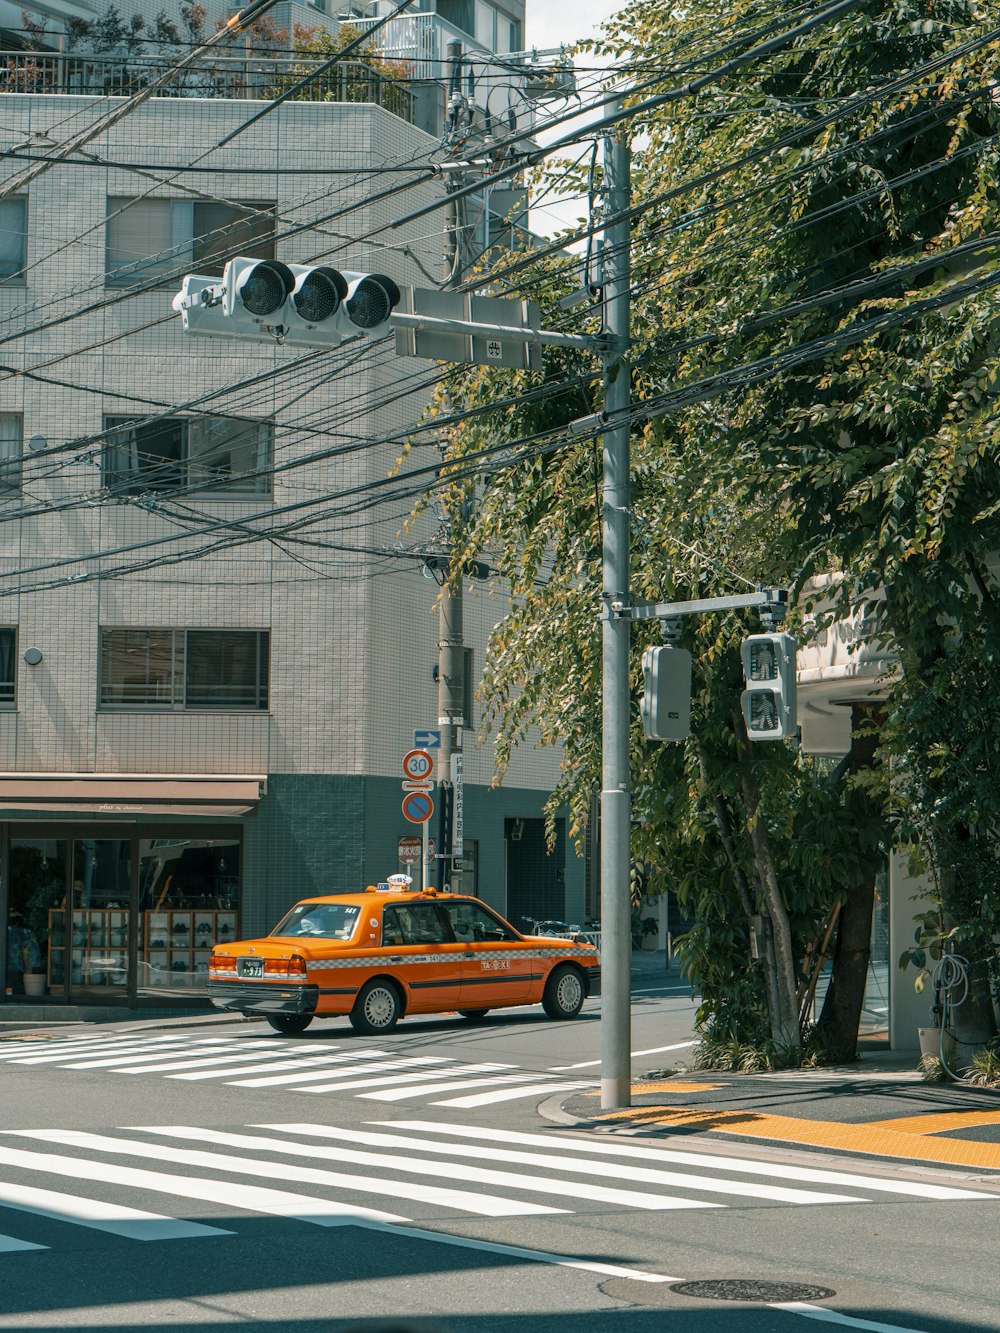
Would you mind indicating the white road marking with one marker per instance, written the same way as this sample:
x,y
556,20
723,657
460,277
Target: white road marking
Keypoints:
x,y
834,1317
287,1080
395,1080
551,1161
140,1056
707,1161
198,1061
509,1095
8,1244
483,1205
654,1050
135,1046
517,1252
286,1063
425,1089
135,1223
251,1198
477,1173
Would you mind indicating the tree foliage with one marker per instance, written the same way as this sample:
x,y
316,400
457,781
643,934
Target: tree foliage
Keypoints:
x,y
814,351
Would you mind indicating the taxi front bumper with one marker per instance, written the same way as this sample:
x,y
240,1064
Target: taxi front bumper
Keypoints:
x,y
263,997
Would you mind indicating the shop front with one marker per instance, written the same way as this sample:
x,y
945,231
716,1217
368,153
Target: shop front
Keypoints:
x,y
95,909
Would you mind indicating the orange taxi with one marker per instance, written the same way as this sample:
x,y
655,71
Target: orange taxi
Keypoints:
x,y
390,951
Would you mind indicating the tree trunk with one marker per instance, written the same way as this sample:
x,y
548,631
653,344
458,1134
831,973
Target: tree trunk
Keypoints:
x,y
782,965
840,1018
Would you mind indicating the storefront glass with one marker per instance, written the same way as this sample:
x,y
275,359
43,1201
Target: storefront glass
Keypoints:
x,y
35,922
117,918
188,899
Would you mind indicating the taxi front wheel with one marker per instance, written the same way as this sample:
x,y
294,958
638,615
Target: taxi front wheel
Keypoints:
x,y
377,1008
564,993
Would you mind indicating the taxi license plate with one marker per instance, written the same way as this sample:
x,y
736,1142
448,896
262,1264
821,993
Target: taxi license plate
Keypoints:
x,y
251,967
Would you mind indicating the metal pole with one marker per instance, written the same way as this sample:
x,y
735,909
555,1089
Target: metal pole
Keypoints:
x,y
451,695
616,805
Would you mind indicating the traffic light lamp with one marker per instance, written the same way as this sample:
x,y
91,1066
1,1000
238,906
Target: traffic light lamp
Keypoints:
x,y
666,703
768,701
306,306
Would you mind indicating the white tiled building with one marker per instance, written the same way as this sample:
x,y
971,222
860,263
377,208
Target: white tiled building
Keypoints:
x,y
188,746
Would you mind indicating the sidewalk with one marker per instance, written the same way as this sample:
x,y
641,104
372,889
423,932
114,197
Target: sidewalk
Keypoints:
x,y
878,1107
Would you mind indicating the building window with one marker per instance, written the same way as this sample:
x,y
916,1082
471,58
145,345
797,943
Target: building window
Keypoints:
x,y
10,452
459,13
195,669
188,453
13,233
8,666
158,240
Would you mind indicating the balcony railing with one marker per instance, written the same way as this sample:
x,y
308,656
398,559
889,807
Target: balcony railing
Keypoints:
x,y
253,77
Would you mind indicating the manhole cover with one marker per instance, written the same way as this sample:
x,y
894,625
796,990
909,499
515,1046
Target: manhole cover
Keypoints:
x,y
751,1289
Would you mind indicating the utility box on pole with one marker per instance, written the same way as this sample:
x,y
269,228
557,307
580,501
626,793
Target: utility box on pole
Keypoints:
x,y
666,703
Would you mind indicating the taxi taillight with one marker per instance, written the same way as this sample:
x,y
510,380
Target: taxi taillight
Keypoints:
x,y
285,969
221,965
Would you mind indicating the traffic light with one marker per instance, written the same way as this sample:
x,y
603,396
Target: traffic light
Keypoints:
x,y
304,305
768,701
666,703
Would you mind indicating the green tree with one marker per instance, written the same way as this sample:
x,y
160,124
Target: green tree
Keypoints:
x,y
814,352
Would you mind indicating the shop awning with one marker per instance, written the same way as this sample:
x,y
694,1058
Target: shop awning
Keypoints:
x,y
131,796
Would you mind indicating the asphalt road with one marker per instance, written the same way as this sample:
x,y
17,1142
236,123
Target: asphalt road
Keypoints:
x,y
224,1177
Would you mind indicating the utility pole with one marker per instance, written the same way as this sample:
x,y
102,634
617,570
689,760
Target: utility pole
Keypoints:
x,y
451,632
616,801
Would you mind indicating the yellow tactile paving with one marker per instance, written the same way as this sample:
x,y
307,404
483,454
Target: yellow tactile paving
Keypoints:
x,y
873,1139
939,1123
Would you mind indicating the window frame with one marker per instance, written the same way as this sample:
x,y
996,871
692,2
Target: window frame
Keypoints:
x,y
18,277
12,467
8,704
118,426
179,673
183,253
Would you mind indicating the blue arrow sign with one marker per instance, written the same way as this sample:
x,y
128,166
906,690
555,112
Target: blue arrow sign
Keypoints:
x,y
427,740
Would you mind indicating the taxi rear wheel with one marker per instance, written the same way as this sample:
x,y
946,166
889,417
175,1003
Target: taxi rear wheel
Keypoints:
x,y
377,1009
473,1015
289,1023
564,992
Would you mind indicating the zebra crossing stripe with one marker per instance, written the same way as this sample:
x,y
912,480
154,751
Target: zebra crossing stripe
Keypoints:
x,y
706,1161
396,1080
288,1063
250,1198
9,1244
219,1062
425,1089
476,1173
133,1046
465,1201
69,1046
405,1062
618,1171
115,1218
140,1056
509,1095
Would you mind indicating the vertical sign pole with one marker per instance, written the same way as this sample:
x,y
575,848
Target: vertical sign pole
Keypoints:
x,y
424,850
616,812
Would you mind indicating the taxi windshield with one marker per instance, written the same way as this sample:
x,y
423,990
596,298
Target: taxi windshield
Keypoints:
x,y
332,921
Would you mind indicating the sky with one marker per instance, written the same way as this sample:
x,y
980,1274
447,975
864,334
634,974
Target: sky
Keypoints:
x,y
551,23
548,22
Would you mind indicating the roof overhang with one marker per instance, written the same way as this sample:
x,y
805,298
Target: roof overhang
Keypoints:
x,y
132,795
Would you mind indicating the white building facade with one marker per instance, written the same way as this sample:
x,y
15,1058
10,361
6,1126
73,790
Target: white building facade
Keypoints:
x,y
216,640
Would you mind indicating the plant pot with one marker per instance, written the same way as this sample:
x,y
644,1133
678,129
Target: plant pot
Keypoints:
x,y
34,983
930,1041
